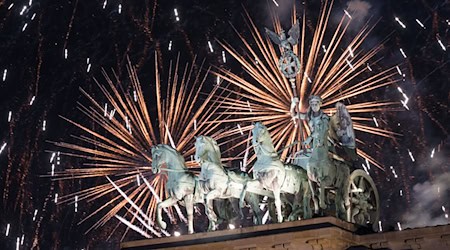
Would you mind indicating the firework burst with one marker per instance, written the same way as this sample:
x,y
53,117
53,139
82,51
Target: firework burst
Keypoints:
x,y
334,65
125,128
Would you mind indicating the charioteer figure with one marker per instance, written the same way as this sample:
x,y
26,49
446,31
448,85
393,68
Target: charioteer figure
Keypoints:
x,y
335,132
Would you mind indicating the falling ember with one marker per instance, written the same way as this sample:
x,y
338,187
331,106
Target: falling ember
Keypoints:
x,y
5,71
375,121
365,168
380,228
309,79
240,129
347,14
195,124
104,4
401,192
369,68
398,70
22,239
403,53
52,158
138,180
33,16
88,68
18,243
218,80
176,14
432,153
420,23
66,53
7,229
249,107
400,22
224,58
44,125
399,226
32,100
324,48
441,44
105,110
35,213
404,102
120,8
111,114
53,169
10,6
9,116
443,209
210,47
76,203
56,197
393,172
170,45
349,64
24,26
411,156
24,8
3,147
351,51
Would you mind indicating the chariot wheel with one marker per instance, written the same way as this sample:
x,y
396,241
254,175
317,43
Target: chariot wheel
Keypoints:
x,y
362,202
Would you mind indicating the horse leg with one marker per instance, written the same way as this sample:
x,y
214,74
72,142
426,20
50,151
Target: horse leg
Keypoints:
x,y
323,205
210,209
276,194
296,208
236,208
189,203
253,200
242,196
167,203
306,201
314,198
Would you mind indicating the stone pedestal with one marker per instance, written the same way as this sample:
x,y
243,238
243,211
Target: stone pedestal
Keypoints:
x,y
326,233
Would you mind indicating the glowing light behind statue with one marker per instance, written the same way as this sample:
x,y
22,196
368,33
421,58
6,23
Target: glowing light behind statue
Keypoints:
x,y
336,74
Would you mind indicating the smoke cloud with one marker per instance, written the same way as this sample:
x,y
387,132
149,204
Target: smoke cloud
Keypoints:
x,y
358,10
429,197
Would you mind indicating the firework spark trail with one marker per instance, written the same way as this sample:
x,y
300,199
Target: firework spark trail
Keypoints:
x,y
336,75
138,209
122,155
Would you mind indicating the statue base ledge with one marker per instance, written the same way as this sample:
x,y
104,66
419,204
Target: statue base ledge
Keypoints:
x,y
317,233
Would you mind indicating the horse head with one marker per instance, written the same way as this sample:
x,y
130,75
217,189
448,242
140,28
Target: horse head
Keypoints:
x,y
157,156
206,148
259,133
262,143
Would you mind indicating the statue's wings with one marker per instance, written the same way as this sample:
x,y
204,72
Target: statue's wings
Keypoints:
x,y
344,127
273,36
294,33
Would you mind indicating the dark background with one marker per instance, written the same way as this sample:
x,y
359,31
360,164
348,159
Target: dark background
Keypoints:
x,y
35,63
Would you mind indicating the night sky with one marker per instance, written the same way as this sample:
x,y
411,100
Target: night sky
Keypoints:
x,y
49,49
